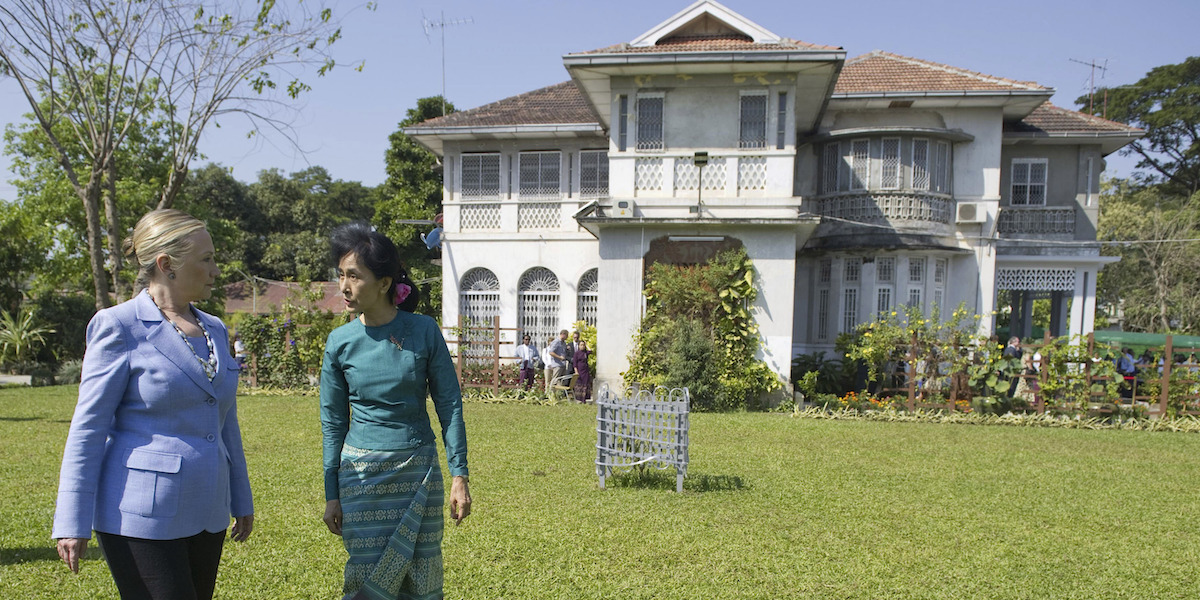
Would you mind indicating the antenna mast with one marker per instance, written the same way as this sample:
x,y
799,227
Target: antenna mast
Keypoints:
x,y
1092,83
441,24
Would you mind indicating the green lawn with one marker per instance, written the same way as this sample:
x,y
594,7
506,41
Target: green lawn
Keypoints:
x,y
775,507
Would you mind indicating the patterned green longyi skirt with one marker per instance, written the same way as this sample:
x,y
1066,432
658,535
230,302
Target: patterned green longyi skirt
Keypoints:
x,y
392,523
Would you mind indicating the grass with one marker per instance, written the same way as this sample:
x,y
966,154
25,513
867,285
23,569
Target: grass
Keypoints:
x,y
773,507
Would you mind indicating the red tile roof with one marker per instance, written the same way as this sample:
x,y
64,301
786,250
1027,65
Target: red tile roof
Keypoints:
x,y
557,104
709,43
563,103
880,71
1049,118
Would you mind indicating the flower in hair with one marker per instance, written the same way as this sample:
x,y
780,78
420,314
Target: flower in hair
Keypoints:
x,y
402,292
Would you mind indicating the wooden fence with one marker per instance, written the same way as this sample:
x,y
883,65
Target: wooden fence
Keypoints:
x,y
1158,378
479,357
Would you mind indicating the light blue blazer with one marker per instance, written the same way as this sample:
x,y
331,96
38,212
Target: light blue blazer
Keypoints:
x,y
154,449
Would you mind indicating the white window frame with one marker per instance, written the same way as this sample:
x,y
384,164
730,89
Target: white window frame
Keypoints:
x,y
825,271
941,270
943,156
831,167
883,299
655,146
761,141
849,309
852,270
917,292
480,192
822,314
916,270
781,120
887,275
598,170
920,179
860,164
1088,187
546,187
1027,167
889,175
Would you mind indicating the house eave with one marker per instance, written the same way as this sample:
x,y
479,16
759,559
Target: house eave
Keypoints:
x,y
434,138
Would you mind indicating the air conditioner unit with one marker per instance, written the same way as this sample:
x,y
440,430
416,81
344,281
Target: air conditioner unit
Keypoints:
x,y
622,209
971,212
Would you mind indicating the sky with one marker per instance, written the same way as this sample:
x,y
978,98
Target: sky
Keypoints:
x,y
496,49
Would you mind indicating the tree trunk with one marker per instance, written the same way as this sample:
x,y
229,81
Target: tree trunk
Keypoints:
x,y
114,230
175,181
91,210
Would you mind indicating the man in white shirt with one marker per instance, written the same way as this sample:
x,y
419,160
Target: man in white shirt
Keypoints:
x,y
529,360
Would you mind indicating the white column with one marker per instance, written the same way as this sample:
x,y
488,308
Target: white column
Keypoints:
x,y
1089,307
1077,304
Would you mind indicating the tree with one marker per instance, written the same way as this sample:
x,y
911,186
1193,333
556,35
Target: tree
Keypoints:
x,y
93,69
1156,282
413,192
1166,103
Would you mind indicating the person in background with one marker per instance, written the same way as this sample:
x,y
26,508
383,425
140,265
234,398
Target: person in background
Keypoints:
x,y
153,461
556,363
528,356
383,485
583,383
1013,350
239,351
569,355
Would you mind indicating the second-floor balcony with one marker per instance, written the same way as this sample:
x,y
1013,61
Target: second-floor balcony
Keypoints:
x,y
724,175
1039,220
895,207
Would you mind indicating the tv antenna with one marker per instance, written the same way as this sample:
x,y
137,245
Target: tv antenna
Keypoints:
x,y
1092,82
441,24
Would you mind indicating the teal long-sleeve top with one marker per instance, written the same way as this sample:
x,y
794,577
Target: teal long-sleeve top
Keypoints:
x,y
374,381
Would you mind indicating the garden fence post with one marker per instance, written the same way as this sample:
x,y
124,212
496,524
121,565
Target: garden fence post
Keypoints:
x,y
1087,366
1165,378
496,353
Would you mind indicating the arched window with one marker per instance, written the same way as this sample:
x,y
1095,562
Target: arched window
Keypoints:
x,y
479,305
537,308
479,296
589,298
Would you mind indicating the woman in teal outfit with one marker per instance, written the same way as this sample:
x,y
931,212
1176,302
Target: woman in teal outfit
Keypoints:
x,y
383,485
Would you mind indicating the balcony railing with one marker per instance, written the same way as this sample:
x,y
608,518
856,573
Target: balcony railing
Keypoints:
x,y
888,206
1036,220
680,174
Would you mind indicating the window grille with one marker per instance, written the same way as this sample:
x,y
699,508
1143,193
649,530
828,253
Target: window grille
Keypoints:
x,y
537,310
920,164
539,215
883,302
853,269
825,271
832,165
860,164
890,168
593,173
885,269
623,124
939,271
753,122
916,270
479,216
823,314
480,176
1029,181
479,305
687,174
914,297
589,298
650,123
540,174
850,314
941,171
781,122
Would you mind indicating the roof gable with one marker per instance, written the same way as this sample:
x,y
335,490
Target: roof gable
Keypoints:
x,y
561,103
1049,119
703,19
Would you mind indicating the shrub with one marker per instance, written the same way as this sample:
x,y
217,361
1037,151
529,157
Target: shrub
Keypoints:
x,y
69,372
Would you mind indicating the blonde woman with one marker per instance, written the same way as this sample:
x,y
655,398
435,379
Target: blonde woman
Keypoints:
x,y
153,461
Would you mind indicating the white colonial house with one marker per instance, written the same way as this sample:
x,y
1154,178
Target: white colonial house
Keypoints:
x,y
855,185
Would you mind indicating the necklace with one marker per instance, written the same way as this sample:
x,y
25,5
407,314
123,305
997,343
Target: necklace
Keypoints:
x,y
210,365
